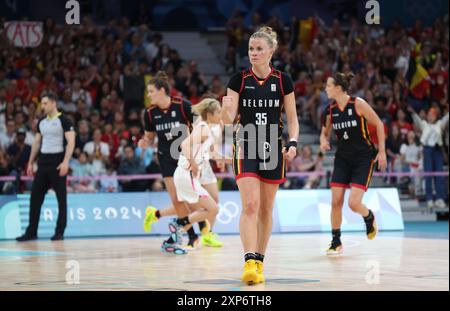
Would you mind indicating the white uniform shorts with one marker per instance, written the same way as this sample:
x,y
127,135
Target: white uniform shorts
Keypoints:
x,y
188,188
207,175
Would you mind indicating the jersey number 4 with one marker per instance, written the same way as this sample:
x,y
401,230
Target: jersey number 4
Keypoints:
x,y
261,118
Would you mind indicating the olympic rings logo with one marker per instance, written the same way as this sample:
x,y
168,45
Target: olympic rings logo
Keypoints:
x,y
227,212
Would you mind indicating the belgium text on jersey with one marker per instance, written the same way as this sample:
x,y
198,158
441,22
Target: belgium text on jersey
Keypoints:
x,y
345,125
255,103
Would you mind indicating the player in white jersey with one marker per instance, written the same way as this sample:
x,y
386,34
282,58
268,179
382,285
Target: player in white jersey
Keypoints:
x,y
194,168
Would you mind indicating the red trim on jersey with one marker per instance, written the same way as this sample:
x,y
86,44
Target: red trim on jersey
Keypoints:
x,y
338,185
331,114
359,186
254,175
184,114
281,83
242,82
265,79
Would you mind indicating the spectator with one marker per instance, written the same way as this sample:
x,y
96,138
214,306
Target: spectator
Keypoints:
x,y
112,139
431,139
393,144
132,165
79,93
82,168
404,126
97,151
19,152
109,182
7,139
304,162
5,170
66,104
411,157
83,136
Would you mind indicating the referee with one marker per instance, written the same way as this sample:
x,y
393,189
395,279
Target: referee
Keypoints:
x,y
55,142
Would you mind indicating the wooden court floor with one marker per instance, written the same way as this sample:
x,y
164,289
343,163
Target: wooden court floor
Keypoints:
x,y
295,262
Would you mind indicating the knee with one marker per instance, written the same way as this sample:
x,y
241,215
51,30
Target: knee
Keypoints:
x,y
337,203
265,211
354,204
251,207
214,210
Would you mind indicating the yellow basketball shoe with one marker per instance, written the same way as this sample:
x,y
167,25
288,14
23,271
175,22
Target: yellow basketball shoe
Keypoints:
x,y
210,240
150,218
371,226
260,271
250,274
335,248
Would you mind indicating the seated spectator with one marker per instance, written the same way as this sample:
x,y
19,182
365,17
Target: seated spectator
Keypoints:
x,y
82,168
19,152
98,152
7,138
5,170
112,139
132,165
83,136
304,162
109,182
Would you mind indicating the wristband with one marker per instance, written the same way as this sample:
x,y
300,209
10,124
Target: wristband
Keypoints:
x,y
291,144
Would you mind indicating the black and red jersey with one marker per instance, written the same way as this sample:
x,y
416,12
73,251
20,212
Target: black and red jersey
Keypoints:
x,y
351,129
261,100
163,121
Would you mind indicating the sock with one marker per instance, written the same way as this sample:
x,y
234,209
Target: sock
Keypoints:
x,y
336,234
201,225
191,233
183,221
369,217
158,214
249,256
170,240
259,257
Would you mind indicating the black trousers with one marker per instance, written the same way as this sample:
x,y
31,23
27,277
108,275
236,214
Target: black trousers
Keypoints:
x,y
48,177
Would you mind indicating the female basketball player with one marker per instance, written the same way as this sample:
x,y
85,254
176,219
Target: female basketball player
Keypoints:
x,y
167,113
355,155
208,181
195,155
257,97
